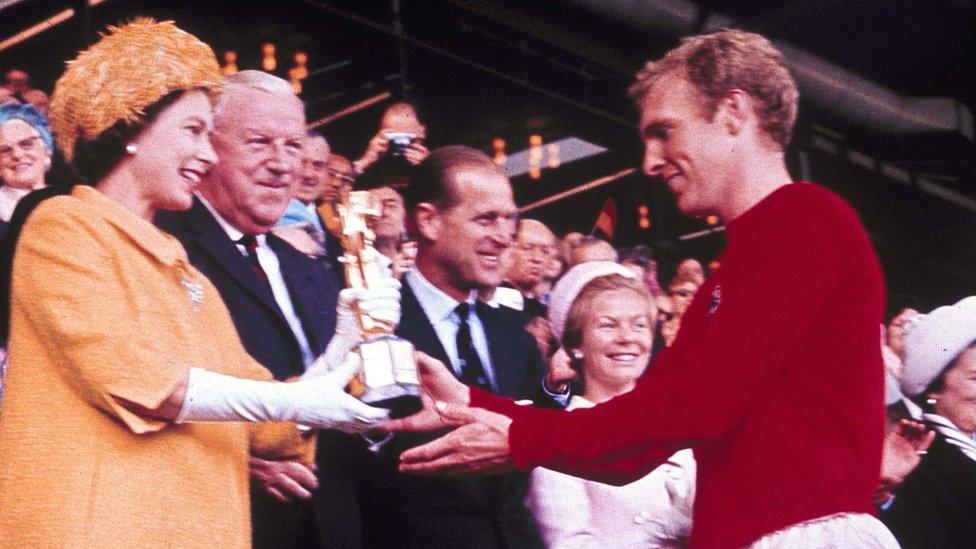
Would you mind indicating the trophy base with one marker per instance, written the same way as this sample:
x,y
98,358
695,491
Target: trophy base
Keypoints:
x,y
403,405
389,378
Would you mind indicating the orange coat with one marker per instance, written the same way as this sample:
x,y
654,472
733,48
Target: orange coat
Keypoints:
x,y
102,313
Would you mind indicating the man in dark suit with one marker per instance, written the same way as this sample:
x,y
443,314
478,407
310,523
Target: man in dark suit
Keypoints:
x,y
283,303
463,208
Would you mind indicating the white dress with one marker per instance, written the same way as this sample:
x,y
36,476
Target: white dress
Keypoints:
x,y
654,511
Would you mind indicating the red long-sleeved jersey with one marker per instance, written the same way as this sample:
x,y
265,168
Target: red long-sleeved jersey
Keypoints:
x,y
775,380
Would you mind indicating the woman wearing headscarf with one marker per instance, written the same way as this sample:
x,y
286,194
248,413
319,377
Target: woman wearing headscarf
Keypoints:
x,y
603,317
935,506
128,391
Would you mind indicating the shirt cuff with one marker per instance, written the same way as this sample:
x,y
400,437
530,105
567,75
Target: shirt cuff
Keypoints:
x,y
561,398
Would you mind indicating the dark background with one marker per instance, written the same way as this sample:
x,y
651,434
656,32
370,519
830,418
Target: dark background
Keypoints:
x,y
509,69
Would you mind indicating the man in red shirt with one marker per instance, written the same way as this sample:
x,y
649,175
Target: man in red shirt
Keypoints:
x,y
775,384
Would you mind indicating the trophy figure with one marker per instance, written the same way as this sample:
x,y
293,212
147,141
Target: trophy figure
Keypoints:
x,y
388,377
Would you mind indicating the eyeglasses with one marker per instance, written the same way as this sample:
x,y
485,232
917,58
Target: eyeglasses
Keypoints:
x,y
26,145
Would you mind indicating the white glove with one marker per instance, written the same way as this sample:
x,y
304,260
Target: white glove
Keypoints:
x,y
320,402
381,303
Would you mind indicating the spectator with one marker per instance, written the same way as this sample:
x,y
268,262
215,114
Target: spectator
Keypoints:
x,y
26,150
933,507
17,82
397,145
591,248
690,268
38,99
554,269
534,244
635,260
391,220
682,292
111,327
604,317
568,242
302,225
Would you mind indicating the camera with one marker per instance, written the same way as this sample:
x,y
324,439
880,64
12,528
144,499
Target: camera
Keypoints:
x,y
399,141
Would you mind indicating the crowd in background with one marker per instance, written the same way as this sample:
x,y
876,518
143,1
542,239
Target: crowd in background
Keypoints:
x,y
571,296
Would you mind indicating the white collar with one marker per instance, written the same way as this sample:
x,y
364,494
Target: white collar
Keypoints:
x,y
436,304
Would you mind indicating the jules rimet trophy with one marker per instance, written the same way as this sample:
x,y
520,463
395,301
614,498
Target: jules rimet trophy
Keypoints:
x,y
388,377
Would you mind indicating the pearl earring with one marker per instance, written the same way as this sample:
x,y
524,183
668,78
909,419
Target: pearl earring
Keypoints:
x,y
577,354
131,148
931,401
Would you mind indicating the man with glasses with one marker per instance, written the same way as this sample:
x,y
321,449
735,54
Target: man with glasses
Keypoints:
x,y
534,243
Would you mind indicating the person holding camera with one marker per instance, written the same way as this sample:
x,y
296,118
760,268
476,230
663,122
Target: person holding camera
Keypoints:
x,y
396,147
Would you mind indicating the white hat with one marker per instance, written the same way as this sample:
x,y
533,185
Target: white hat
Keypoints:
x,y
568,287
935,341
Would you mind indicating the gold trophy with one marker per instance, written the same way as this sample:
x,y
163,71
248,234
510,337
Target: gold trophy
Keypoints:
x,y
388,377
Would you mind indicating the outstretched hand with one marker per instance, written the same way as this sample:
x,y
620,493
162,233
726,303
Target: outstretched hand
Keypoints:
x,y
478,446
478,443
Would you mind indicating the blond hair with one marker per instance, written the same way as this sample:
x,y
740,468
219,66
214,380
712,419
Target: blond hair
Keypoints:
x,y
728,60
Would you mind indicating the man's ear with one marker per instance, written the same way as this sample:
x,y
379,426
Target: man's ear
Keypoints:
x,y
428,220
734,111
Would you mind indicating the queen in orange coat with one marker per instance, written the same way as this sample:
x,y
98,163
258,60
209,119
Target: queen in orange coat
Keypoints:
x,y
106,437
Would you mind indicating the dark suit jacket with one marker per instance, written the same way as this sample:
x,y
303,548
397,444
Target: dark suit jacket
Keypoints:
x,y
259,321
414,511
268,338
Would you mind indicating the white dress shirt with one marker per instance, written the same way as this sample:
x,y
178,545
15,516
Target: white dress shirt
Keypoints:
x,y
439,308
269,262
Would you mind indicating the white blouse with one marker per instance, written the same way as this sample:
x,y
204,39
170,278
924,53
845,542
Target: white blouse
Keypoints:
x,y
654,511
9,197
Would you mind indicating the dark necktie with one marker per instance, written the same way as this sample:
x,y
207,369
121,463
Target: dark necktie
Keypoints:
x,y
250,244
472,371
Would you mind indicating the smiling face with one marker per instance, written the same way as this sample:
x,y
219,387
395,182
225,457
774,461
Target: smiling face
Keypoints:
x,y
616,343
174,153
462,242
259,137
957,399
24,159
693,156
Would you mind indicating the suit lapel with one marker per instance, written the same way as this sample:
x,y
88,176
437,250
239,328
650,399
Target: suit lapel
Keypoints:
x,y
416,328
214,242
